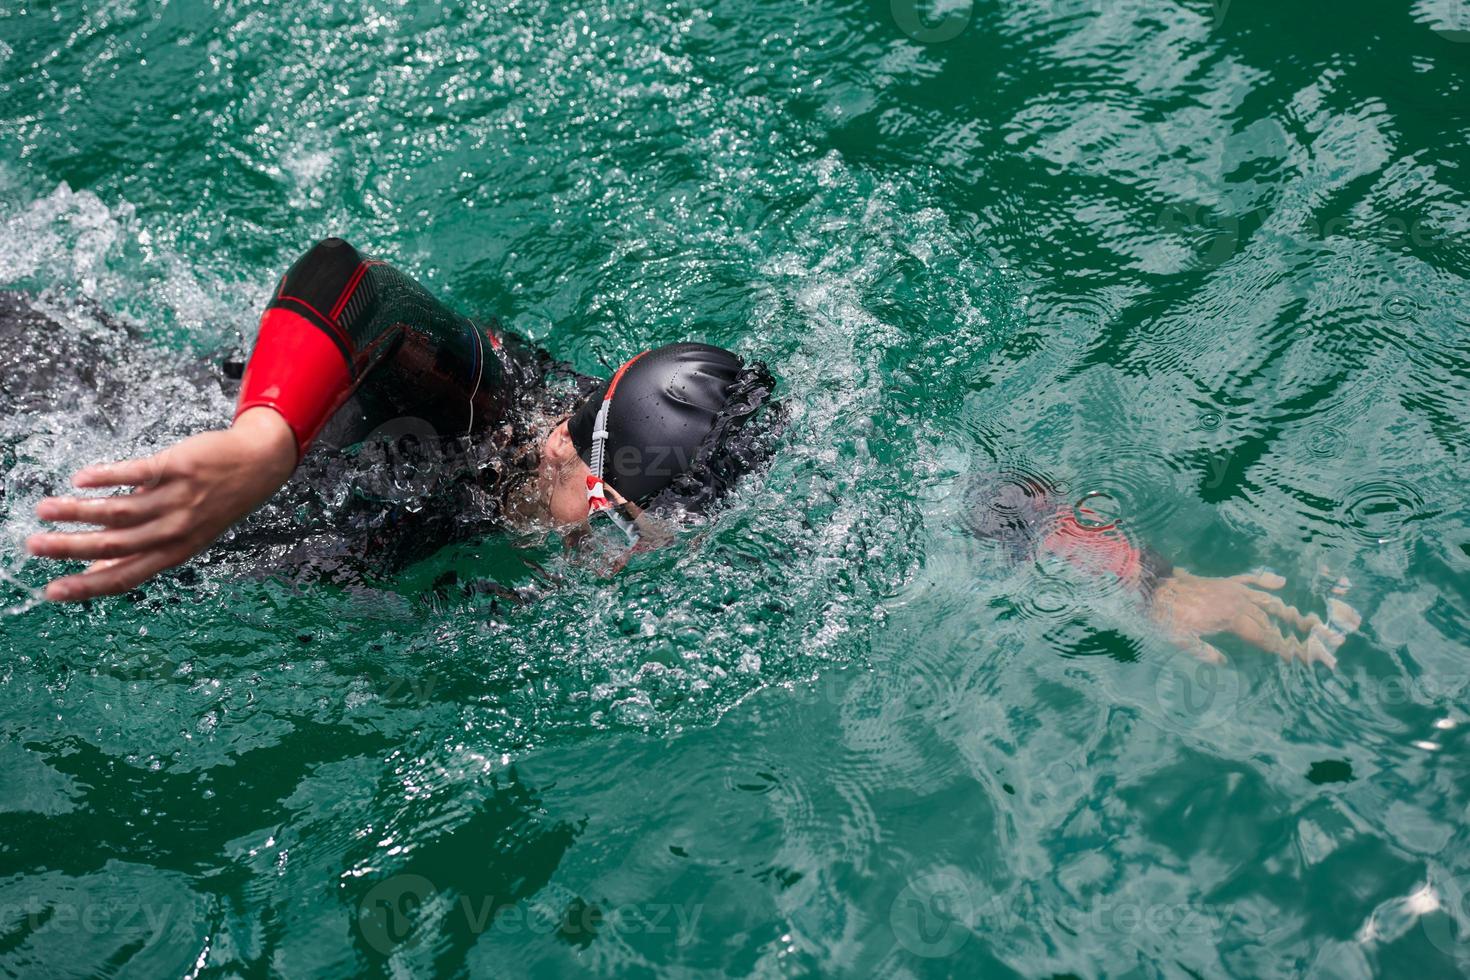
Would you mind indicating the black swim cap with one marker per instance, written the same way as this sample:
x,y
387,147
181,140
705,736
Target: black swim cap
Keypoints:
x,y
672,410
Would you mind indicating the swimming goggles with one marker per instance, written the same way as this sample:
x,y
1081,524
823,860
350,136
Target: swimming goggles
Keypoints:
x,y
597,502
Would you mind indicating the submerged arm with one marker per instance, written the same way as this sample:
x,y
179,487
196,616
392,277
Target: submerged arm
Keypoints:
x,y
1190,607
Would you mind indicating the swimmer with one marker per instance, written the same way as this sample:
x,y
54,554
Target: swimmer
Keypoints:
x,y
1026,517
350,343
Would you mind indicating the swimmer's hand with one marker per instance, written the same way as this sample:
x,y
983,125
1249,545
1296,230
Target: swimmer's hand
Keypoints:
x,y
1191,607
182,499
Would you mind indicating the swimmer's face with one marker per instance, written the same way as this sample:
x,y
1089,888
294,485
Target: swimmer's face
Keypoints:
x,y
565,476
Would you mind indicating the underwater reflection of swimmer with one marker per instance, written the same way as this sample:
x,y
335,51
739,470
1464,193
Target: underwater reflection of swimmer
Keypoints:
x,y
348,346
1026,517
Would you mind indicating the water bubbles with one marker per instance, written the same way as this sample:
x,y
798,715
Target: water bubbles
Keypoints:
x,y
1067,321
1049,600
1002,505
67,235
16,596
842,269
405,459
1056,590
307,167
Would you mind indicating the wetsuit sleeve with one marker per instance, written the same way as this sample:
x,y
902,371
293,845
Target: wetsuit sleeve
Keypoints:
x,y
340,323
1105,549
1026,517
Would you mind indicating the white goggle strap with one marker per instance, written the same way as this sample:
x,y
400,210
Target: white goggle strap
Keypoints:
x,y
596,492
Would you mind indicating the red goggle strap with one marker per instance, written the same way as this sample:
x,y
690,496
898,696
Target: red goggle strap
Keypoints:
x,y
599,441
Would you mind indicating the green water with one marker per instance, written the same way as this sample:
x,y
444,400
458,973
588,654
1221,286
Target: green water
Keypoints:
x,y
1209,259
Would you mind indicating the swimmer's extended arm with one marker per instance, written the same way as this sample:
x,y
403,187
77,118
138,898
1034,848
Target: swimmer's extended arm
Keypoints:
x,y
183,498
1189,607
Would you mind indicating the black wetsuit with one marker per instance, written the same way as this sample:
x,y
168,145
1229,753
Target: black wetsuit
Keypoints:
x,y
428,411
432,431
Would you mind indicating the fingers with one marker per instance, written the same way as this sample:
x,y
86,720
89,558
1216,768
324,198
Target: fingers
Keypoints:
x,y
112,578
1257,617
1318,652
1343,617
1266,580
127,510
1323,638
145,472
1343,583
104,563
1329,638
1256,629
90,545
1322,641
1253,627
1290,615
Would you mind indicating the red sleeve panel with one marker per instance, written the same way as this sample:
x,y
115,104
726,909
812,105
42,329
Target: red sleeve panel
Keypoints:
x,y
307,358
298,370
340,320
1094,549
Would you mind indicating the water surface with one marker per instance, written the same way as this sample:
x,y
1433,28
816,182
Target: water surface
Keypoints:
x,y
1207,259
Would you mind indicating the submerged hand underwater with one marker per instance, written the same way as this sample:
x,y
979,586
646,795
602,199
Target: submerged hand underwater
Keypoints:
x,y
673,429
